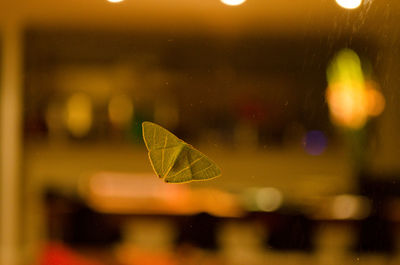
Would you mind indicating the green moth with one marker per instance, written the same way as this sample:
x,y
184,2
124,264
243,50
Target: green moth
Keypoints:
x,y
174,160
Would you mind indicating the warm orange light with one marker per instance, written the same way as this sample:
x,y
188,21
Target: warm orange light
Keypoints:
x,y
351,107
351,98
114,192
347,105
233,2
115,1
375,102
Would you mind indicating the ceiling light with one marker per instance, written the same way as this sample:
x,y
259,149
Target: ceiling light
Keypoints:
x,y
349,4
233,2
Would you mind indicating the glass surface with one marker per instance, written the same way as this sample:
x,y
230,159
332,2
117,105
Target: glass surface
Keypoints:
x,y
295,101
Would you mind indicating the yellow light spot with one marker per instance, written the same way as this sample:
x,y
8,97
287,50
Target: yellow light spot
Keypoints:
x,y
349,4
233,2
115,1
78,115
120,110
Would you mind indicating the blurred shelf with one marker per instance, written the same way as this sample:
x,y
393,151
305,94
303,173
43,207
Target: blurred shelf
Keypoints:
x,y
296,174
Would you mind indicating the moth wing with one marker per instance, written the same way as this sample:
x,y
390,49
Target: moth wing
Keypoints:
x,y
162,160
191,165
156,137
163,147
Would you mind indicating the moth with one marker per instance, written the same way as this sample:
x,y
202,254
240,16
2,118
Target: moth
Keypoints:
x,y
173,160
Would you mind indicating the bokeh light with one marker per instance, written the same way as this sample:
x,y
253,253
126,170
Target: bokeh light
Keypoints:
x,y
349,4
268,199
78,115
351,98
376,102
233,2
314,142
347,206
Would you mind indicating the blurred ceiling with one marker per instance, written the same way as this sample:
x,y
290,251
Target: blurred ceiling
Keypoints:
x,y
291,16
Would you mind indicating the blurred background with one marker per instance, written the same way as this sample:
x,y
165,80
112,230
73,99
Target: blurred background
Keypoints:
x,y
296,101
